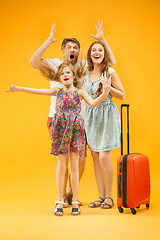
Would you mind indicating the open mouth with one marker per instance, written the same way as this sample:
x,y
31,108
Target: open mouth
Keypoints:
x,y
96,57
71,56
66,79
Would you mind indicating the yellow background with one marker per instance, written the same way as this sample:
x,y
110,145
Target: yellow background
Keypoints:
x,y
27,170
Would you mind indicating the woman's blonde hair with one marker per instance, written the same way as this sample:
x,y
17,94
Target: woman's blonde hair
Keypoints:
x,y
104,64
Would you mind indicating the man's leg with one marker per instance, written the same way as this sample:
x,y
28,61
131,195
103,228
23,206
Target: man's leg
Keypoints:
x,y
49,125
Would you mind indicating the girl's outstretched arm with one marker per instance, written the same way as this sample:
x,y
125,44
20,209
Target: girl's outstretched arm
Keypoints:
x,y
51,92
106,82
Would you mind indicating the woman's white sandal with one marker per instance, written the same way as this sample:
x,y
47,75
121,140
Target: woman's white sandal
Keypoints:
x,y
58,210
75,210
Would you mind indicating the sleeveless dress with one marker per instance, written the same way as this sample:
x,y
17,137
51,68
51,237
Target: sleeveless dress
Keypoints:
x,y
102,123
68,132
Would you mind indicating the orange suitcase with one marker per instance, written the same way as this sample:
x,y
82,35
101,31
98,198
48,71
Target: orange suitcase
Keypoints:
x,y
133,176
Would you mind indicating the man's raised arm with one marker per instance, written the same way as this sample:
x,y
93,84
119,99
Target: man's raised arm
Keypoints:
x,y
36,58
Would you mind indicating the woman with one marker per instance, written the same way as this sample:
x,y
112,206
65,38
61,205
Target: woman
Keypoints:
x,y
102,123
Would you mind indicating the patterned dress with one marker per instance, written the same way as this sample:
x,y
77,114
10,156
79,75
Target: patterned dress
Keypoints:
x,y
68,132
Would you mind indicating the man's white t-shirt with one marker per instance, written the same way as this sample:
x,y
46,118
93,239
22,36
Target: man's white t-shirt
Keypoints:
x,y
54,64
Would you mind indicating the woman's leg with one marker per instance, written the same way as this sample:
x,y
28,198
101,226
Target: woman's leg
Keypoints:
x,y
49,125
107,173
99,180
62,160
98,174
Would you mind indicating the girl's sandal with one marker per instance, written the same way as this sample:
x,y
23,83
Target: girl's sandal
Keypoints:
x,y
69,196
58,210
106,205
96,203
75,211
79,203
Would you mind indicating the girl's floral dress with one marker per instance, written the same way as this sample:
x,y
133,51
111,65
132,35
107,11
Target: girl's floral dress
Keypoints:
x,y
68,132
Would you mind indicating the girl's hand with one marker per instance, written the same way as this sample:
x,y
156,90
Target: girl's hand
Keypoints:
x,y
99,35
106,82
13,88
51,36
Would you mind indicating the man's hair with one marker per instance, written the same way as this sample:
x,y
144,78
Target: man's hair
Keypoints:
x,y
66,40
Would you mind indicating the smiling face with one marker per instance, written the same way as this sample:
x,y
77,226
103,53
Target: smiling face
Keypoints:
x,y
67,76
97,53
71,52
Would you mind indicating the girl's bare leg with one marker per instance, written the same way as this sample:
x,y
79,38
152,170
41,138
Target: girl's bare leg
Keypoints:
x,y
74,160
65,197
66,179
81,170
62,160
82,160
49,125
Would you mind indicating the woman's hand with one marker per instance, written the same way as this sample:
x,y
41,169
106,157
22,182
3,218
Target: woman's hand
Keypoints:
x,y
99,35
51,36
13,88
106,82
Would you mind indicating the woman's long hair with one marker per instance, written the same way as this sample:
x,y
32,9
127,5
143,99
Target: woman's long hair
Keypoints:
x,y
104,64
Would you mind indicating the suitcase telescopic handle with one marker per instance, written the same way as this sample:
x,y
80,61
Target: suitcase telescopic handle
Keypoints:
x,y
125,105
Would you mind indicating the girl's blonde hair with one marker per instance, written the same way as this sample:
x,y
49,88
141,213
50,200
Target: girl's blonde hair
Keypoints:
x,y
104,64
76,81
53,75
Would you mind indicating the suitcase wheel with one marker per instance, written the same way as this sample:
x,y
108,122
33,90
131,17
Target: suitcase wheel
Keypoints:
x,y
147,206
133,211
120,209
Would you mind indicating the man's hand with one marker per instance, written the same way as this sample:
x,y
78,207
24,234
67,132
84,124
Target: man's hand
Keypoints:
x,y
51,36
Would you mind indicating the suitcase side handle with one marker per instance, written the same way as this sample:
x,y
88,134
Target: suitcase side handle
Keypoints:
x,y
125,105
119,185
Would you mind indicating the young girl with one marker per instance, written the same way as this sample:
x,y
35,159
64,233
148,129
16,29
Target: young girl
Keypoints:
x,y
68,135
102,123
